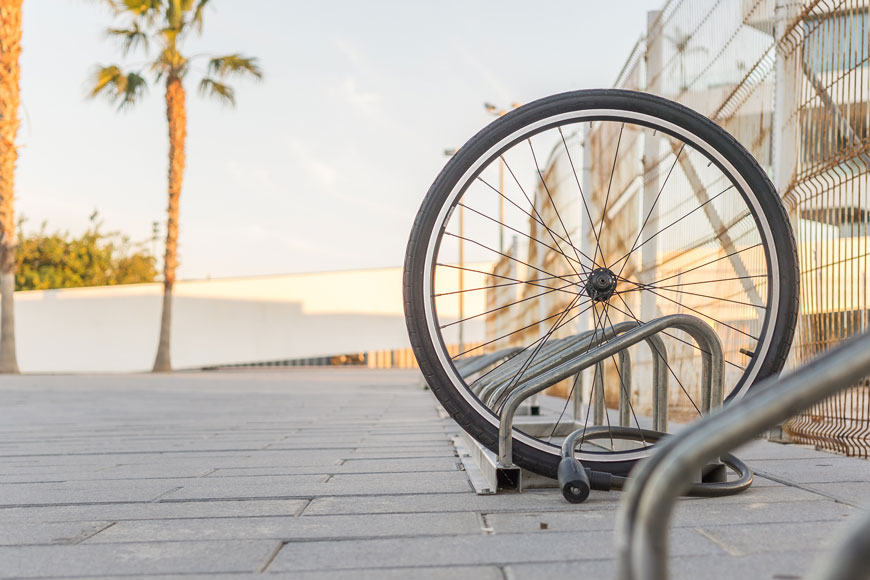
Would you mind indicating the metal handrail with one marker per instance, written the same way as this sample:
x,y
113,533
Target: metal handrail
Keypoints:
x,y
644,513
711,372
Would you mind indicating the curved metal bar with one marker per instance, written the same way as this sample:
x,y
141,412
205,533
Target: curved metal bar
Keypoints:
x,y
507,371
585,341
659,356
550,356
696,328
478,363
645,511
625,388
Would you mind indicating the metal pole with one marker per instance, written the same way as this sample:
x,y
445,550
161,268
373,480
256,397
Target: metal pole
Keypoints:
x,y
649,251
644,514
501,205
461,275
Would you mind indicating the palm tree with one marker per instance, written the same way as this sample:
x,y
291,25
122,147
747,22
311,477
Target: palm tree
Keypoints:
x,y
10,50
166,24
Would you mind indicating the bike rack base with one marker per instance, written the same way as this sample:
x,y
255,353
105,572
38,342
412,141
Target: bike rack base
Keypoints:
x,y
481,464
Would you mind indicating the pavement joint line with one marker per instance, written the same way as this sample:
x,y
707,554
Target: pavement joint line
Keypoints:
x,y
485,526
276,497
270,558
285,541
94,533
165,493
729,549
807,488
304,507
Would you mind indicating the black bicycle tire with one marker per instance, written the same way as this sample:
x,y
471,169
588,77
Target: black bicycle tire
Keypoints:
x,y
630,101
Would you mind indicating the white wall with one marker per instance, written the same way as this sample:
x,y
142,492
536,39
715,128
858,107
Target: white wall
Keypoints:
x,y
114,328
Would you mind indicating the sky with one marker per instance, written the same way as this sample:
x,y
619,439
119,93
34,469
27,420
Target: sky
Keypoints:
x,y
323,164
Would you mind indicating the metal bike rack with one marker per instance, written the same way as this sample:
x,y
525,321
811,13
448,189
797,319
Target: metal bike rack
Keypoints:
x,y
469,366
712,361
567,357
645,511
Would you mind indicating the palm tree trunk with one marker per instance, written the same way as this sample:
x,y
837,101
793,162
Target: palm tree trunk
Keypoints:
x,y
176,114
10,50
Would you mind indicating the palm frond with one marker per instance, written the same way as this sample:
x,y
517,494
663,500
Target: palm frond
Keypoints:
x,y
124,89
213,88
198,14
234,65
170,60
130,38
175,11
139,7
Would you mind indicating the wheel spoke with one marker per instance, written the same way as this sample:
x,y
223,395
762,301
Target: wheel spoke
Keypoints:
x,y
579,187
540,219
532,238
496,309
509,257
607,198
530,345
518,375
735,329
533,218
684,272
645,287
552,203
650,238
677,338
529,282
496,286
651,208
661,356
528,326
626,391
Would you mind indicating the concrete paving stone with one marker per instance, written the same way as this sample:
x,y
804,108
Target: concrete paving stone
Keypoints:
x,y
396,453
768,566
409,477
19,495
855,492
154,510
746,538
763,449
830,469
415,573
380,486
406,438
115,560
291,528
436,464
22,534
393,471
463,550
686,514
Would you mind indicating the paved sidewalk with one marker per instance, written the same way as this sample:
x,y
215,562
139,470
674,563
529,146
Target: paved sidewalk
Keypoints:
x,y
340,473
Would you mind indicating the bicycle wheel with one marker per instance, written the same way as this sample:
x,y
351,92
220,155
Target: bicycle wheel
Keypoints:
x,y
577,212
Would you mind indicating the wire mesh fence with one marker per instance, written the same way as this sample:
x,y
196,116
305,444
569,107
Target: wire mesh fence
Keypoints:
x,y
790,79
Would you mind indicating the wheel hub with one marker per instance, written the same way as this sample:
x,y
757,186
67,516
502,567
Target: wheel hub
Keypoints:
x,y
601,284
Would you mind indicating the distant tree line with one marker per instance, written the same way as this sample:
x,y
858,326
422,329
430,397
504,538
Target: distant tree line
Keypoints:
x,y
155,30
95,258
